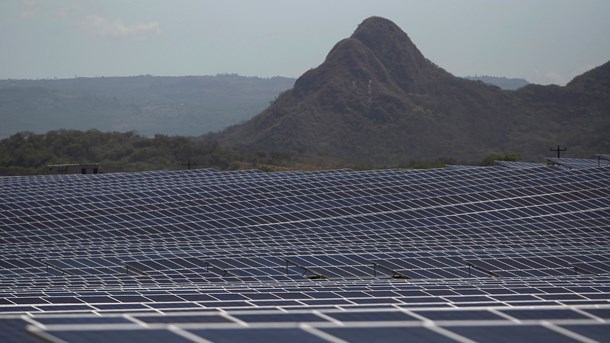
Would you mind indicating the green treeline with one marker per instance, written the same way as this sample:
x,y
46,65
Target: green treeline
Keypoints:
x,y
27,153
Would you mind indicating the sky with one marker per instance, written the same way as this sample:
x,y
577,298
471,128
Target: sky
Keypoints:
x,y
543,41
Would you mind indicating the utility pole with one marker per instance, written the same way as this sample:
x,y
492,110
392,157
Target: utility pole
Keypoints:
x,y
189,164
559,150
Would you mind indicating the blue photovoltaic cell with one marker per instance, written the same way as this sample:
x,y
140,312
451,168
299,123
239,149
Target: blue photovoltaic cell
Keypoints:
x,y
258,335
598,332
13,331
18,309
65,307
180,319
388,335
542,314
599,312
27,300
131,306
97,299
82,320
371,316
119,336
279,317
459,315
63,300
510,333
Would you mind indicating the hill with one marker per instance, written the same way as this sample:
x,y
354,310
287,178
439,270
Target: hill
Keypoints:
x,y
376,99
188,105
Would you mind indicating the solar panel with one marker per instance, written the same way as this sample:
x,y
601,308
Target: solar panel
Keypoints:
x,y
388,334
258,335
596,332
439,255
114,335
510,333
518,164
579,163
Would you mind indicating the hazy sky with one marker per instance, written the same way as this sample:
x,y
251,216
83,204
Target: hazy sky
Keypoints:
x,y
544,41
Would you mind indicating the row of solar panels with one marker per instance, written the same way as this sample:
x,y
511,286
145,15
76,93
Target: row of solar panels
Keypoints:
x,y
70,217
104,184
569,228
364,325
221,311
548,291
123,183
274,205
498,263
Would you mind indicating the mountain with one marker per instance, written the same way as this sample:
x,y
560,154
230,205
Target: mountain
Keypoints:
x,y
577,115
502,82
377,100
187,105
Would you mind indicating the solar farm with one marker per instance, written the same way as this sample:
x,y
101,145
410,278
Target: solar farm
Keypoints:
x,y
513,253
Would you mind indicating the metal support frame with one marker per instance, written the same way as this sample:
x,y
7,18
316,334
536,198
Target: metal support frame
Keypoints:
x,y
134,269
63,271
582,271
474,266
313,275
394,273
225,272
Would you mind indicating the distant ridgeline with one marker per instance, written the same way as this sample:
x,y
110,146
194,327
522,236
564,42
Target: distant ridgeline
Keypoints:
x,y
502,82
186,105
376,99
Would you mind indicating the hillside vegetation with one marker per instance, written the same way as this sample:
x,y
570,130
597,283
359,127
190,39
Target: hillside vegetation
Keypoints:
x,y
29,153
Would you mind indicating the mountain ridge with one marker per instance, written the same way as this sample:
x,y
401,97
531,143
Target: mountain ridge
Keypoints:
x,y
377,99
171,105
504,83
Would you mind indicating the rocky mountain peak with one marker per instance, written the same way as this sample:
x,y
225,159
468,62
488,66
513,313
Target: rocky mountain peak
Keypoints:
x,y
377,99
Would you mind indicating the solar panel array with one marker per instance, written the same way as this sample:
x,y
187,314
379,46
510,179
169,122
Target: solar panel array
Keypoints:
x,y
465,254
